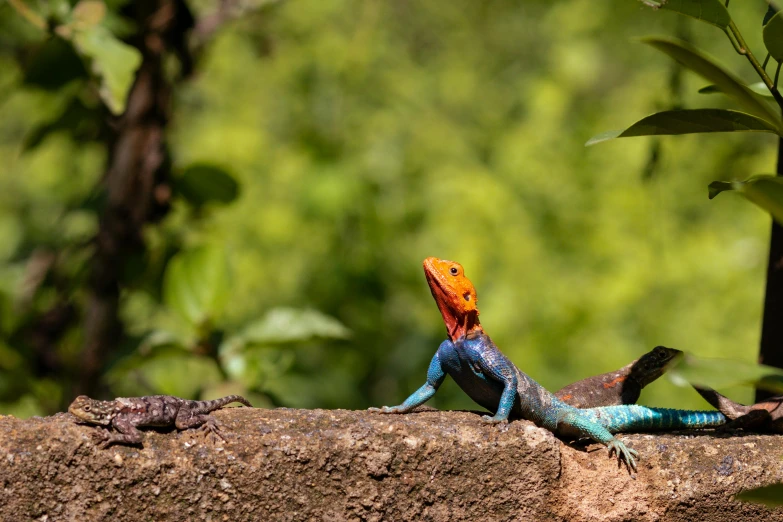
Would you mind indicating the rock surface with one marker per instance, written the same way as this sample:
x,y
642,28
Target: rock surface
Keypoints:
x,y
339,465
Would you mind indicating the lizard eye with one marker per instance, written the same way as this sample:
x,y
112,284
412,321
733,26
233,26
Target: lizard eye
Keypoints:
x,y
86,408
453,270
467,296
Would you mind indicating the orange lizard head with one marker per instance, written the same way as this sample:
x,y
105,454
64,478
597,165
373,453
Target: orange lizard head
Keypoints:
x,y
454,294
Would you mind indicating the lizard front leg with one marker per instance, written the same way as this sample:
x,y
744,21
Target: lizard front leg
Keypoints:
x,y
435,377
572,422
128,434
493,366
506,403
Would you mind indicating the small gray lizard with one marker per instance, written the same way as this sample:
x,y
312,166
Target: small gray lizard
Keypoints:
x,y
125,414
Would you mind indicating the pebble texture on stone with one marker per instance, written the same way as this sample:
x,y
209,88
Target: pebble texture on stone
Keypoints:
x,y
335,465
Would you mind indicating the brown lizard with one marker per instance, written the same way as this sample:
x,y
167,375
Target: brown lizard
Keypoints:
x,y
764,416
125,414
621,386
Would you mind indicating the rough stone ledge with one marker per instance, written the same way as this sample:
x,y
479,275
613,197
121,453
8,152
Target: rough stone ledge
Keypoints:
x,y
339,465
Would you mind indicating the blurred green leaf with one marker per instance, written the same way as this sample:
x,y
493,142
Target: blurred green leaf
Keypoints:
x,y
170,374
112,60
724,373
773,37
23,408
162,339
706,67
202,183
765,191
81,122
769,496
291,325
710,11
771,11
57,11
759,88
196,284
689,122
54,64
87,13
9,359
254,366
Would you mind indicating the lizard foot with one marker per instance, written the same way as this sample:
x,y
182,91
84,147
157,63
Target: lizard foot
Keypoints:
x,y
486,419
211,430
387,409
624,454
102,438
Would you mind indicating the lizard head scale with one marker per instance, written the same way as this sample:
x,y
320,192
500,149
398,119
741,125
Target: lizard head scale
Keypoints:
x,y
92,411
455,296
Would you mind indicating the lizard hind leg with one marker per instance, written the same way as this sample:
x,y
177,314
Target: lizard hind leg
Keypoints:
x,y
574,423
208,425
211,429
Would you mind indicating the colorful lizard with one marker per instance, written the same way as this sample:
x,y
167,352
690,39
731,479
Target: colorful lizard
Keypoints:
x,y
494,382
621,386
125,414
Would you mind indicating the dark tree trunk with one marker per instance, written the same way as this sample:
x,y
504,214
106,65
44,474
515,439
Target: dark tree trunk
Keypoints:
x,y
771,352
136,183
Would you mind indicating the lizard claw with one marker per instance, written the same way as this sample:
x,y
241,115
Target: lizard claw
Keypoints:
x,y
493,420
385,409
211,429
624,454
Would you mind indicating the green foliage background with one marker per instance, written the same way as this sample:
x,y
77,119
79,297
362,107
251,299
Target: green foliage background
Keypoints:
x,y
367,135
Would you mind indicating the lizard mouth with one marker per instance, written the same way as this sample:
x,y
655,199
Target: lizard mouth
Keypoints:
x,y
85,422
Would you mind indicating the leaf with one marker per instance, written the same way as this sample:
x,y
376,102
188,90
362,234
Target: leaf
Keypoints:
x,y
705,67
710,11
759,88
725,373
291,325
689,122
254,366
53,65
770,496
765,191
182,375
81,122
771,11
773,37
203,183
159,339
87,13
196,284
112,60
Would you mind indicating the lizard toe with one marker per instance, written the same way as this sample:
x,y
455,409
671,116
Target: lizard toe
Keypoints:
x,y
211,430
624,454
493,420
385,409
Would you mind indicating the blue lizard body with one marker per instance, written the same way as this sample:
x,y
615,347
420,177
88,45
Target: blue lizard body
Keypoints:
x,y
494,382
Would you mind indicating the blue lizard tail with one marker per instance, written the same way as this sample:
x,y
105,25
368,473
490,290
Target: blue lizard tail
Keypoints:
x,y
641,418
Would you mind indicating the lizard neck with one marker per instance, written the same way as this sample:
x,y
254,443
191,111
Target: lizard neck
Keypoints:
x,y
458,326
